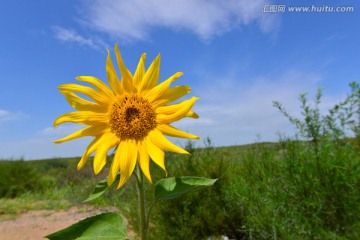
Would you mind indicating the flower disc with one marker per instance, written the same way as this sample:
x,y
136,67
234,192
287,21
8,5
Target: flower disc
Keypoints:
x,y
131,117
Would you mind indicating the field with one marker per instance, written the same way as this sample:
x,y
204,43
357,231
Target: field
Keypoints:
x,y
265,191
302,187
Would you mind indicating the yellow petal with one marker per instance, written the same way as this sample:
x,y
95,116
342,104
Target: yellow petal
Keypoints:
x,y
81,104
89,150
100,85
112,76
128,160
114,168
171,95
151,76
89,131
82,117
97,96
93,146
101,152
168,114
192,114
174,132
162,142
160,89
127,79
144,160
140,71
156,154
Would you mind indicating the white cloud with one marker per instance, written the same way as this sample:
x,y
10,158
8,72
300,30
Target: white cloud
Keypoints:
x,y
70,35
10,116
3,113
205,18
234,112
60,131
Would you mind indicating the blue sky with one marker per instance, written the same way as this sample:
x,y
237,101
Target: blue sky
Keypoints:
x,y
236,57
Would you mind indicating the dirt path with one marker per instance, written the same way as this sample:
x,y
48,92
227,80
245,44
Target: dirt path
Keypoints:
x,y
34,225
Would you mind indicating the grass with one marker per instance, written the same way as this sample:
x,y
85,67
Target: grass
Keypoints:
x,y
43,184
264,191
10,208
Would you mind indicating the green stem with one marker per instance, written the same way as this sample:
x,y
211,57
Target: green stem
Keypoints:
x,y
148,215
141,196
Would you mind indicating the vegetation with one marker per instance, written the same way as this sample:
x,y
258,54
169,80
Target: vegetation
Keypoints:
x,y
42,184
303,187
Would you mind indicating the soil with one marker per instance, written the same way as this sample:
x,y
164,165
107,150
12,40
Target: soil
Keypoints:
x,y
34,225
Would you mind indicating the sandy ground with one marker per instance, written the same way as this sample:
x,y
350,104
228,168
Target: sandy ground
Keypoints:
x,y
34,225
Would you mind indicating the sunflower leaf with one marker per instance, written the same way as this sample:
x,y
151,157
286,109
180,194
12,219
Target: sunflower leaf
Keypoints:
x,y
101,188
169,188
109,226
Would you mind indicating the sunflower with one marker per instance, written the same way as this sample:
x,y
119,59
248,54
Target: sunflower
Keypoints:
x,y
132,115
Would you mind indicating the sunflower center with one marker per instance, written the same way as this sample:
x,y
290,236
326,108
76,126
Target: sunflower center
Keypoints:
x,y
131,114
131,117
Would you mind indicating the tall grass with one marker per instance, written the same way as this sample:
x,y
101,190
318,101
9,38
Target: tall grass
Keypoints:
x,y
43,184
16,178
305,187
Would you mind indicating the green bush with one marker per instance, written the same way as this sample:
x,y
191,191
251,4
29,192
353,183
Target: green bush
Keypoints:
x,y
207,212
53,179
300,188
16,178
287,194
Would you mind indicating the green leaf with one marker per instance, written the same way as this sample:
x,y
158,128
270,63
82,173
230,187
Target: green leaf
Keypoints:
x,y
173,187
105,226
101,188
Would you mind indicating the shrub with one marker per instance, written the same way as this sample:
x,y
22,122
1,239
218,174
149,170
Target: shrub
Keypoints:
x,y
300,188
207,212
17,177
